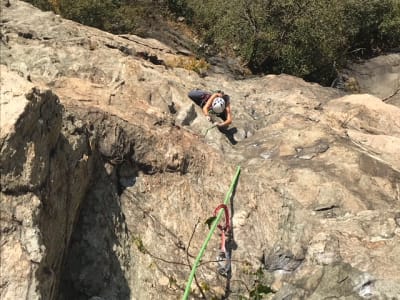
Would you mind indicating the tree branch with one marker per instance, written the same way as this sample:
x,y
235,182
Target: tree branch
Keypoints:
x,y
391,96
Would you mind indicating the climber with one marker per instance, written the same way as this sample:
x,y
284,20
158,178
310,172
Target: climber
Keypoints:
x,y
213,104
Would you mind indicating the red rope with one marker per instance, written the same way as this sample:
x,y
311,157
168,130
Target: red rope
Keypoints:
x,y
224,229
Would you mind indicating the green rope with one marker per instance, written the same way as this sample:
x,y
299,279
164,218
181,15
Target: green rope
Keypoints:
x,y
212,229
209,129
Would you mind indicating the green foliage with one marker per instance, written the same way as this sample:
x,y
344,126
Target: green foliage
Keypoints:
x,y
259,288
139,244
210,221
96,13
42,4
180,8
372,25
306,38
390,27
116,16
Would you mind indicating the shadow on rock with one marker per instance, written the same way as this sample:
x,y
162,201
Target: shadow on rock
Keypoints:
x,y
229,133
97,256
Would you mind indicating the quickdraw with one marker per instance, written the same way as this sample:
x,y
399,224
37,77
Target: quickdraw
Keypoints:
x,y
223,257
209,235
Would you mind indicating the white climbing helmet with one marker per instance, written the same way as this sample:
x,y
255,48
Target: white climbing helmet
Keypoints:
x,y
218,105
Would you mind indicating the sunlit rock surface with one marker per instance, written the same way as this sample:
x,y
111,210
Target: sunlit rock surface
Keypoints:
x,y
109,172
379,76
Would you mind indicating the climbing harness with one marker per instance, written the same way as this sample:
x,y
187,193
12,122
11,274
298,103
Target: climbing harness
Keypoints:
x,y
212,229
223,257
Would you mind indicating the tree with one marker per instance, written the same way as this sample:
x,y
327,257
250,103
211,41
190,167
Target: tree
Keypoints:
x,y
306,38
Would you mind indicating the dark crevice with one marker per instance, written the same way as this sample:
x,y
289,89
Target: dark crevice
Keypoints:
x,y
123,49
147,169
150,57
93,267
326,208
26,35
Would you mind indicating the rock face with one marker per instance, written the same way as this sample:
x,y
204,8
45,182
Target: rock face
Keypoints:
x,y
109,171
379,76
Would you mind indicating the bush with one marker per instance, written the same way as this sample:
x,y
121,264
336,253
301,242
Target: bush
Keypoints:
x,y
299,37
305,38
390,27
199,66
373,26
